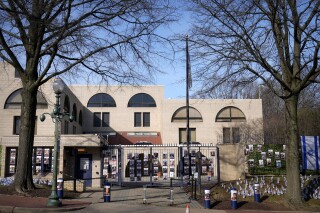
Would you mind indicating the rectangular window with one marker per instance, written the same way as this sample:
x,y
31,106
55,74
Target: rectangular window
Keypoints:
x,y
105,119
183,135
231,135
146,119
97,119
16,125
236,135
137,119
226,135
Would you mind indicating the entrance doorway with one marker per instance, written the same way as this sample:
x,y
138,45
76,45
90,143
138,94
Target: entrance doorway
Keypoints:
x,y
84,168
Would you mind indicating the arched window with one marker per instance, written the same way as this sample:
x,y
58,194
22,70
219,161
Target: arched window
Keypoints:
x,y
80,117
181,114
230,114
14,100
101,100
66,106
74,112
141,100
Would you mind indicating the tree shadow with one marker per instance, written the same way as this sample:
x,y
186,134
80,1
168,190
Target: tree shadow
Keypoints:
x,y
217,202
241,203
263,198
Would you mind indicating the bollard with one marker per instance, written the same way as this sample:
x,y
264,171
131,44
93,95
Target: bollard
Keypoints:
x,y
107,191
234,194
171,196
60,187
207,199
144,194
257,193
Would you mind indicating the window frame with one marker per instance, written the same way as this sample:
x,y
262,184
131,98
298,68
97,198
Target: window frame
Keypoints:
x,y
234,135
137,119
142,100
183,134
105,123
146,119
96,119
16,125
230,118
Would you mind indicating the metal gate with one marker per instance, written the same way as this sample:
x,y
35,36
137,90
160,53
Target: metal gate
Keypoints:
x,y
159,163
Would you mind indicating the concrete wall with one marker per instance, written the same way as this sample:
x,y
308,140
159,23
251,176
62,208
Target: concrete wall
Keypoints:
x,y
232,163
208,130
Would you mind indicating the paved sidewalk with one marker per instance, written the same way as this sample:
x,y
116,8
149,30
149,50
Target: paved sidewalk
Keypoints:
x,y
155,196
123,200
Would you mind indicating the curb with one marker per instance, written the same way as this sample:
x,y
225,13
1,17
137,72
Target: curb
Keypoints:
x,y
12,209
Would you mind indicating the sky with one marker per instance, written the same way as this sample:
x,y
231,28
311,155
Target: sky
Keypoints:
x,y
174,77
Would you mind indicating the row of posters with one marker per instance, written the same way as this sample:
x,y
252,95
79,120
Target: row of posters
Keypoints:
x,y
41,161
12,163
139,168
110,165
266,156
43,155
168,168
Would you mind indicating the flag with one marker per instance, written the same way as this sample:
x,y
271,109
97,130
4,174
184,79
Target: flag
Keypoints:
x,y
188,67
310,152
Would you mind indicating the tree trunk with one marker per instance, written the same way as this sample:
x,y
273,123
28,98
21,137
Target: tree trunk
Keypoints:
x,y
293,195
23,177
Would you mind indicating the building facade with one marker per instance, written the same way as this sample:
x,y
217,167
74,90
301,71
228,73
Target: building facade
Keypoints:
x,y
119,130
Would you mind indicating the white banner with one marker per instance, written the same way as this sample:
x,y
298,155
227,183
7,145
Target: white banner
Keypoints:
x,y
310,152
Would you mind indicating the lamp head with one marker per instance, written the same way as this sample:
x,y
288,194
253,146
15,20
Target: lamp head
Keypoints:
x,y
42,117
58,86
71,118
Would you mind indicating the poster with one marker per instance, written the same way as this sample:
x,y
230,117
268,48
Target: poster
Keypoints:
x,y
145,171
251,162
84,164
12,168
38,159
145,164
46,160
139,166
259,148
261,163
13,152
46,152
39,151
131,170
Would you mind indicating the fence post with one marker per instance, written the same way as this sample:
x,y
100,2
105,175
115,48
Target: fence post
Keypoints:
x,y
119,166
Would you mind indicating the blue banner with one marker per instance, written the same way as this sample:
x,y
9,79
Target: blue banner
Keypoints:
x,y
310,152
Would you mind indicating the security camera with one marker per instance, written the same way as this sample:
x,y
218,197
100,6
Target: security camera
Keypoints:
x,y
42,117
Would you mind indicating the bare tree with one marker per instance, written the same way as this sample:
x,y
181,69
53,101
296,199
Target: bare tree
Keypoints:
x,y
274,41
44,38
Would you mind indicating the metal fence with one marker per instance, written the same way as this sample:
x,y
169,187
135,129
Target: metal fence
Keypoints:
x,y
158,163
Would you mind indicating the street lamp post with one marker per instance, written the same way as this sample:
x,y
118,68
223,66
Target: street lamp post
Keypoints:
x,y
57,116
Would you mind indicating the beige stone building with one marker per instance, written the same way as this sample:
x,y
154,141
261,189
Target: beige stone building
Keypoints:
x,y
119,131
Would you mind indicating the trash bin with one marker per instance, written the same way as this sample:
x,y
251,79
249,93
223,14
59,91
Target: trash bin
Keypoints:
x,y
234,193
60,187
207,199
257,192
107,191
